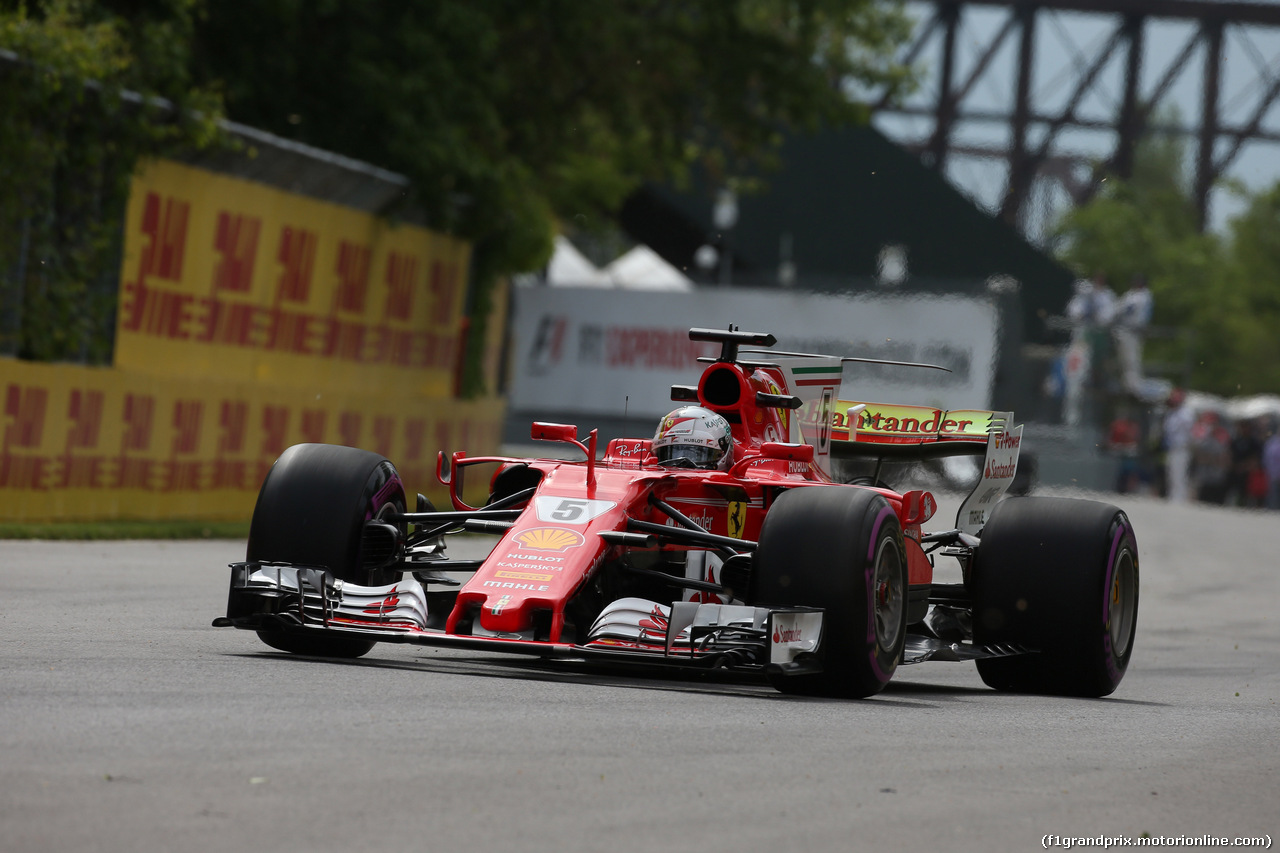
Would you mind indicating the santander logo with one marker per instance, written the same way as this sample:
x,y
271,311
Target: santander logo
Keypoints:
x,y
787,635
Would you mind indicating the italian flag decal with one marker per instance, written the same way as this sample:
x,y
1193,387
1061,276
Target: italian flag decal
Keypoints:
x,y
825,375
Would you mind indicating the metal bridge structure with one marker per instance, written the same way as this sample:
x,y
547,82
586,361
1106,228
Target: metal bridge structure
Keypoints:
x,y
1046,99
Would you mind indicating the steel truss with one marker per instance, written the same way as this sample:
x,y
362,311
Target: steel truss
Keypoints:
x,y
1035,151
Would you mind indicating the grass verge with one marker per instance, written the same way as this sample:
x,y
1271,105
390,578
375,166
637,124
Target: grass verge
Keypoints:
x,y
127,530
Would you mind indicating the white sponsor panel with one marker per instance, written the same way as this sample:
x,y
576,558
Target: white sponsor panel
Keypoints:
x,y
562,510
588,351
793,633
998,469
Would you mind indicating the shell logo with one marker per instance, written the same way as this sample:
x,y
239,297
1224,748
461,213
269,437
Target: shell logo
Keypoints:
x,y
549,539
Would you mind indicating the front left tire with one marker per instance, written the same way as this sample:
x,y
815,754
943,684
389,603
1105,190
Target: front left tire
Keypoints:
x,y
311,511
839,548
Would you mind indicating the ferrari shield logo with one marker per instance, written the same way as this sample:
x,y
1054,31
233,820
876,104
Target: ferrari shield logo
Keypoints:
x,y
737,518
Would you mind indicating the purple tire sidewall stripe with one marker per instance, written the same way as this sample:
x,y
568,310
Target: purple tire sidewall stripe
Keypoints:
x,y
873,646
389,488
1109,653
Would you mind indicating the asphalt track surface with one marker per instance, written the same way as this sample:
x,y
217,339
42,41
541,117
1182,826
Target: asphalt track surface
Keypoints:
x,y
130,724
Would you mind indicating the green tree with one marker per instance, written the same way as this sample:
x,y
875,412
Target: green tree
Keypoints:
x,y
1147,225
1222,290
1248,321
509,114
69,141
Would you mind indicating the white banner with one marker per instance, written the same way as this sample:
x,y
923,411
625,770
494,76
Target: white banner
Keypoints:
x,y
606,352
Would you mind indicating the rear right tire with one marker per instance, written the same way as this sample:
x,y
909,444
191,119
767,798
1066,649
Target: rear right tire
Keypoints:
x,y
1059,576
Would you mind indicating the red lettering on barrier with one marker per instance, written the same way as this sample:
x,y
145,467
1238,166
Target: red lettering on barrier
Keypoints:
x,y
158,312
234,323
133,473
230,474
23,472
236,241
353,277
297,253
27,407
80,472
402,346
444,289
650,348
181,476
275,427
234,421
344,340
138,412
187,415
402,272
164,222
85,413
376,343
289,331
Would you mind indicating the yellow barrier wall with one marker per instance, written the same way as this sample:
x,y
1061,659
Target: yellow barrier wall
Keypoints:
x,y
99,443
250,319
237,279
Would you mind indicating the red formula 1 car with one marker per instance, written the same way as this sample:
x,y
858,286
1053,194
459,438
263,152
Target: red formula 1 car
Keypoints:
x,y
702,549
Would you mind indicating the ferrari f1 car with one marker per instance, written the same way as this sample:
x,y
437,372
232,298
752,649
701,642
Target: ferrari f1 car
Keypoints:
x,y
763,564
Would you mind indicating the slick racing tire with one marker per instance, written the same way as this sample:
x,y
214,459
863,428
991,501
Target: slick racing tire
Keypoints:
x,y
311,511
839,548
1059,576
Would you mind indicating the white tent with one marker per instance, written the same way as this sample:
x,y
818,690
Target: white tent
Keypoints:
x,y
570,268
639,269
644,269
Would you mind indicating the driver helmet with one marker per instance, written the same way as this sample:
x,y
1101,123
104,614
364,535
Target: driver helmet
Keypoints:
x,y
694,437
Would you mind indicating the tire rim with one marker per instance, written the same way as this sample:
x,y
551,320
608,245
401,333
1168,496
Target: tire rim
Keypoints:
x,y
890,596
1122,602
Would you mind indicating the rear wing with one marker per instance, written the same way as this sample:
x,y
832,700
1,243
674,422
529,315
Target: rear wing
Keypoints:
x,y
898,431
883,431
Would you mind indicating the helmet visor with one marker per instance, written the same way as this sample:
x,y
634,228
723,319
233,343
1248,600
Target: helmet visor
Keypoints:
x,y
688,456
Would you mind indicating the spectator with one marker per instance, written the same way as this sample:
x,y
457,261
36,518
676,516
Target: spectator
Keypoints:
x,y
1104,301
1123,438
1271,466
1080,308
1243,486
1210,458
1176,431
1133,315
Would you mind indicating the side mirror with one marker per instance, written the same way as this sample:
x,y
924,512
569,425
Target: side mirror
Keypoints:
x,y
917,507
787,450
554,432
